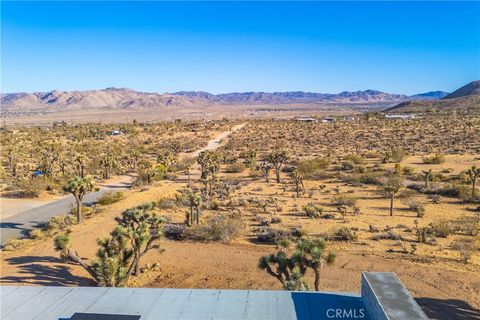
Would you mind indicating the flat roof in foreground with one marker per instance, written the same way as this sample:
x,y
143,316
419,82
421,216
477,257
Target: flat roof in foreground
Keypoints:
x,y
22,302
383,297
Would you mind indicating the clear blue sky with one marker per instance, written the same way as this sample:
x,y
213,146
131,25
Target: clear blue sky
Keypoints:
x,y
401,47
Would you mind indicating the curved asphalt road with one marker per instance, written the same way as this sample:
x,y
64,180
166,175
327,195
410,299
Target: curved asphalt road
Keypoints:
x,y
20,224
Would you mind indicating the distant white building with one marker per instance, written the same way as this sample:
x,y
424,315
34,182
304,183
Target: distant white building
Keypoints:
x,y
306,119
328,119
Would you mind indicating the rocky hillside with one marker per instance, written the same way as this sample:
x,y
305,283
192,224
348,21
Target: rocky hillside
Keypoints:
x,y
466,97
107,98
123,98
467,90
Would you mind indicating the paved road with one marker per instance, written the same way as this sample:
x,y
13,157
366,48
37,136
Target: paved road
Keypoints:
x,y
20,224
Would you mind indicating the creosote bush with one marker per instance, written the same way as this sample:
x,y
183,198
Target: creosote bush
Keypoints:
x,y
110,197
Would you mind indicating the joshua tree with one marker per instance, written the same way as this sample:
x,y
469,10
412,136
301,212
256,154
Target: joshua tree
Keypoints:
x,y
427,175
142,228
79,187
166,158
195,201
209,167
473,173
81,162
290,271
118,257
108,161
310,253
265,168
277,158
133,159
298,181
175,146
11,154
146,171
249,158
391,187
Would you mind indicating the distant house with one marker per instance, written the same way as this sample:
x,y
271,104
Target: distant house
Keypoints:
x,y
400,116
328,119
306,119
114,132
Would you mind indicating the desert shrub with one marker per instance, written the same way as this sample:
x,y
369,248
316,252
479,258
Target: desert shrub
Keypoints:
x,y
407,170
435,198
37,234
311,166
218,228
368,177
14,244
417,207
235,168
466,225
345,199
354,158
441,229
58,223
312,211
372,155
394,154
345,234
347,165
275,220
434,159
270,235
214,205
110,197
166,203
389,235
174,231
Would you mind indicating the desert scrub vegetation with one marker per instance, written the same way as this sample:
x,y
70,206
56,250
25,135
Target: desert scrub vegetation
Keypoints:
x,y
43,159
110,197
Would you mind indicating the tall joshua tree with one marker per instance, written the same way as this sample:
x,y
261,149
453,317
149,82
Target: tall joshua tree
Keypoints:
x,y
473,173
309,254
195,201
209,168
277,158
391,187
109,162
118,257
79,187
80,162
298,181
265,168
427,175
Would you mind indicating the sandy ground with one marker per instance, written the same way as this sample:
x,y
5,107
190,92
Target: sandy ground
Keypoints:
x,y
189,113
442,285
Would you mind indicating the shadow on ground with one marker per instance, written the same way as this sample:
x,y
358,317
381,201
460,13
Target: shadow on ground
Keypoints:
x,y
32,271
448,309
15,226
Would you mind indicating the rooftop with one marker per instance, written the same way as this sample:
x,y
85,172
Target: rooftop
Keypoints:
x,y
383,297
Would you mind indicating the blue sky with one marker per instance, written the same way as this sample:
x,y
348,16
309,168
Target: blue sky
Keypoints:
x,y
401,47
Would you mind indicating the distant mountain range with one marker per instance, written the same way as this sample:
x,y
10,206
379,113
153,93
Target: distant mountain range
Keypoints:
x,y
466,97
124,98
